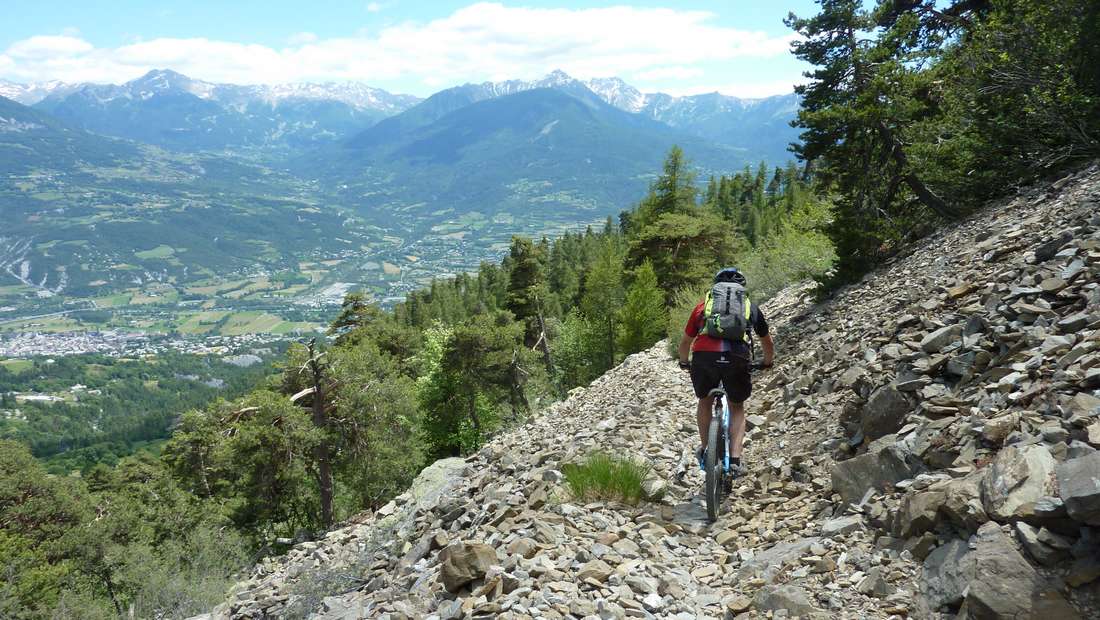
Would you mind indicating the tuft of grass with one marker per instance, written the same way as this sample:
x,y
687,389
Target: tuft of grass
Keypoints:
x,y
605,477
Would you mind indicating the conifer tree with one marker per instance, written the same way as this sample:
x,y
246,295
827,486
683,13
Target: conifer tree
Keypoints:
x,y
854,112
643,314
603,294
526,285
683,241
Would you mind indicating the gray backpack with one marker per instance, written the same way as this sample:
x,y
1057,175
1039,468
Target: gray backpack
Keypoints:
x,y
727,312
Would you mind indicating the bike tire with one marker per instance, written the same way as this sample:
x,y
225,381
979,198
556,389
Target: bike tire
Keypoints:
x,y
713,464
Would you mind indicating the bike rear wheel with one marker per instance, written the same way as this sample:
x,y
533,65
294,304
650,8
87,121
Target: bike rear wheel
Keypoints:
x,y
714,472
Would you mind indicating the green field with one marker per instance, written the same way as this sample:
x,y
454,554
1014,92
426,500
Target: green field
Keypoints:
x,y
226,323
112,301
48,324
17,366
161,251
202,322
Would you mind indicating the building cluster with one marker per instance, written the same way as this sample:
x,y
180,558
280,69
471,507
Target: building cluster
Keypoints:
x,y
125,344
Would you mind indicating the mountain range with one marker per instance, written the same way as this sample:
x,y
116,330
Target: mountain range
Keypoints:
x,y
174,111
170,179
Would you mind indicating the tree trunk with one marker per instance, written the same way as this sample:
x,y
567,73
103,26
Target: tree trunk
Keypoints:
x,y
517,394
610,341
105,575
321,452
474,419
549,361
927,197
202,474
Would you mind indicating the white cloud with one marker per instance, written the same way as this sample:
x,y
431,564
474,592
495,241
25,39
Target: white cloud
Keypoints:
x,y
666,73
374,7
301,38
482,41
47,48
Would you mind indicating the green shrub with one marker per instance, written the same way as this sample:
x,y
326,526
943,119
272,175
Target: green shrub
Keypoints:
x,y
605,477
580,351
798,251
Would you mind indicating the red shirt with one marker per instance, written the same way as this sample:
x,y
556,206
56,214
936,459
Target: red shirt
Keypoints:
x,y
703,342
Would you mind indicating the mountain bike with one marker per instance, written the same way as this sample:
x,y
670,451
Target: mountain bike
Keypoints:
x,y
717,462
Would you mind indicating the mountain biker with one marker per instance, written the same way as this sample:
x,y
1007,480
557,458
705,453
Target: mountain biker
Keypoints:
x,y
717,360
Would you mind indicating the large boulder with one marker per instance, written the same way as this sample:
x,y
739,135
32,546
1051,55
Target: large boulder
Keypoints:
x,y
962,502
769,563
1005,586
791,599
919,512
884,412
461,563
1017,480
858,380
842,525
1079,487
941,338
426,492
1048,548
946,573
1084,403
885,463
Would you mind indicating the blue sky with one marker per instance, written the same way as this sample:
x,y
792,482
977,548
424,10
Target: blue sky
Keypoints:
x,y
736,47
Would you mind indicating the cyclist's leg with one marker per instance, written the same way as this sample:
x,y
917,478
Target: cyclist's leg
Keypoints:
x,y
702,416
736,429
704,378
739,386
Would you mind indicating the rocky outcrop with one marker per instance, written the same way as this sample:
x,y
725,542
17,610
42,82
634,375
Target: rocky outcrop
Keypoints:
x,y
1004,585
1079,487
925,447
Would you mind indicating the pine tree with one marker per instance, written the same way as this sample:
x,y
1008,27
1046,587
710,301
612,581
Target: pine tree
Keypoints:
x,y
603,294
526,285
684,242
854,111
643,315
353,312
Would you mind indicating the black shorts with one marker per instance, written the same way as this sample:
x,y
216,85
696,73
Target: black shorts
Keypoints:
x,y
708,369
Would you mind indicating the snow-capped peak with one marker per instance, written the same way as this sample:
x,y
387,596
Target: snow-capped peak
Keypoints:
x,y
618,93
163,81
557,77
354,94
30,94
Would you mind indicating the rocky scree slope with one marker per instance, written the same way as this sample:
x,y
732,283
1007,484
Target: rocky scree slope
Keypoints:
x,y
925,447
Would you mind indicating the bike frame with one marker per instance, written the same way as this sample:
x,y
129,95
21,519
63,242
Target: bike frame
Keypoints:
x,y
723,413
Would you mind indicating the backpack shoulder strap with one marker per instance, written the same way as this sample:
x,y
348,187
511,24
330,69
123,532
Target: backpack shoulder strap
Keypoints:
x,y
707,304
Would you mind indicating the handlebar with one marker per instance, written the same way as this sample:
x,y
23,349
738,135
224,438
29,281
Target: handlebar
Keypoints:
x,y
752,366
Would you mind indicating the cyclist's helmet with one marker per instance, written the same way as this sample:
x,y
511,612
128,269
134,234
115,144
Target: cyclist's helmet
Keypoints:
x,y
731,274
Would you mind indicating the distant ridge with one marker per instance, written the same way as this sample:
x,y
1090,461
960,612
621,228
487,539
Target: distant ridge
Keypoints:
x,y
280,114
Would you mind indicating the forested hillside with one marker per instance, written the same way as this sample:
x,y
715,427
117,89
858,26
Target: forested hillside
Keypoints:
x,y
916,111
77,411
